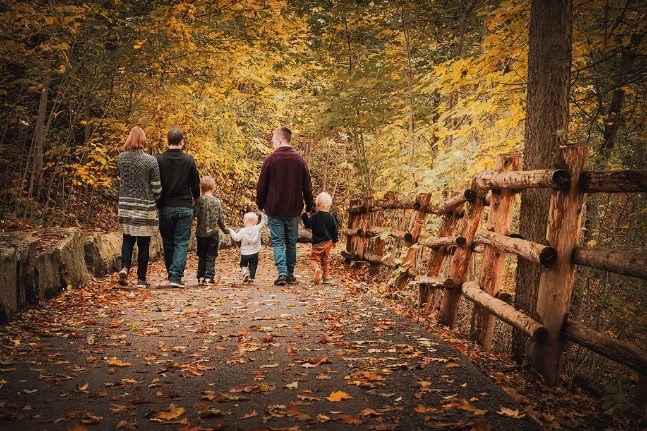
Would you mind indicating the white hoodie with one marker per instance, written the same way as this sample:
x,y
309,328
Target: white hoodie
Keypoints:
x,y
249,237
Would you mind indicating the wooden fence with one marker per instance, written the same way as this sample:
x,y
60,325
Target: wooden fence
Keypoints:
x,y
460,235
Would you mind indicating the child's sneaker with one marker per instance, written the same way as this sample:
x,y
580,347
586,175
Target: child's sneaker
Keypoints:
x,y
317,276
123,277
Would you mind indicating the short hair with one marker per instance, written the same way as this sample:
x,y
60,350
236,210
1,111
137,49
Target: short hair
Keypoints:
x,y
324,200
136,139
250,216
284,133
174,136
207,183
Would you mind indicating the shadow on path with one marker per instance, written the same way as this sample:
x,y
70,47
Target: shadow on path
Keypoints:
x,y
235,356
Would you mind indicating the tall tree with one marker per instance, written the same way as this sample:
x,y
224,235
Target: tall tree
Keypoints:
x,y
549,63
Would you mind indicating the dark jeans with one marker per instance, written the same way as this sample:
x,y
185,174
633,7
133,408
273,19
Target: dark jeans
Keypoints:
x,y
175,228
143,245
284,232
251,262
207,253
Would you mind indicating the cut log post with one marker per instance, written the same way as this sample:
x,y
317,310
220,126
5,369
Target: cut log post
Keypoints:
x,y
415,228
625,262
461,259
609,347
379,219
541,254
437,257
353,224
350,232
556,179
556,282
628,181
493,265
444,241
364,224
503,311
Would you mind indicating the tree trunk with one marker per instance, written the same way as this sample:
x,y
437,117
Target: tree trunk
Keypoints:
x,y
549,62
40,132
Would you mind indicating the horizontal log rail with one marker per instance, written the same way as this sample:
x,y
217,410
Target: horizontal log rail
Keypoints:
x,y
443,241
472,291
378,260
616,350
538,253
378,231
383,205
627,181
625,262
558,179
450,204
432,282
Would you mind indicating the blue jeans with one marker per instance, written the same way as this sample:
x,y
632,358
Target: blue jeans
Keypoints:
x,y
175,228
284,233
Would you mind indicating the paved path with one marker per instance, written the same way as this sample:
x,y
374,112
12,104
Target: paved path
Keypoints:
x,y
235,357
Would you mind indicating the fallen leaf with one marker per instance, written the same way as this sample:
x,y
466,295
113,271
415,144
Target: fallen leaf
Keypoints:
x,y
172,412
117,363
338,396
504,411
252,414
293,385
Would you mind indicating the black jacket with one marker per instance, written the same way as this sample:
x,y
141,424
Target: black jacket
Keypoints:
x,y
323,225
180,179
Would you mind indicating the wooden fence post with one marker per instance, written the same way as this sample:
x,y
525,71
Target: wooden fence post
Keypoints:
x,y
363,224
493,266
416,224
437,256
380,220
461,258
353,222
556,282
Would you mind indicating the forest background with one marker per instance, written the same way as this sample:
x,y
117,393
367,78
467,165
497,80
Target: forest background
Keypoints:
x,y
404,96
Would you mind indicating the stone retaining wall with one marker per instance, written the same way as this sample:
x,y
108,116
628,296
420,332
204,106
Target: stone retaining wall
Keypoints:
x,y
39,265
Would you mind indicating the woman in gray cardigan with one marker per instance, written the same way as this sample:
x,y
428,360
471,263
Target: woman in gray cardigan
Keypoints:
x,y
139,189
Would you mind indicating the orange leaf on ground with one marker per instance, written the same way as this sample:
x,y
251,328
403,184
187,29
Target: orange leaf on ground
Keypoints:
x,y
338,396
172,412
117,362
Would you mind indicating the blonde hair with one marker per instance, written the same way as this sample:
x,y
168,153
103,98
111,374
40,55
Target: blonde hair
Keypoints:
x,y
250,216
207,183
323,201
136,139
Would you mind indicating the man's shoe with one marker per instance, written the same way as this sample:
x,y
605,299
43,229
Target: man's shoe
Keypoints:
x,y
246,278
201,281
282,280
176,284
317,276
209,282
123,277
291,279
143,284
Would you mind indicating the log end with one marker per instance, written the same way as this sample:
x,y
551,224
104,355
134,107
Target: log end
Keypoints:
x,y
561,179
360,232
470,195
548,256
540,334
417,205
408,237
461,241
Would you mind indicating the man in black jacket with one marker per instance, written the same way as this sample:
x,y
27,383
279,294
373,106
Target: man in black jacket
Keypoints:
x,y
180,185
